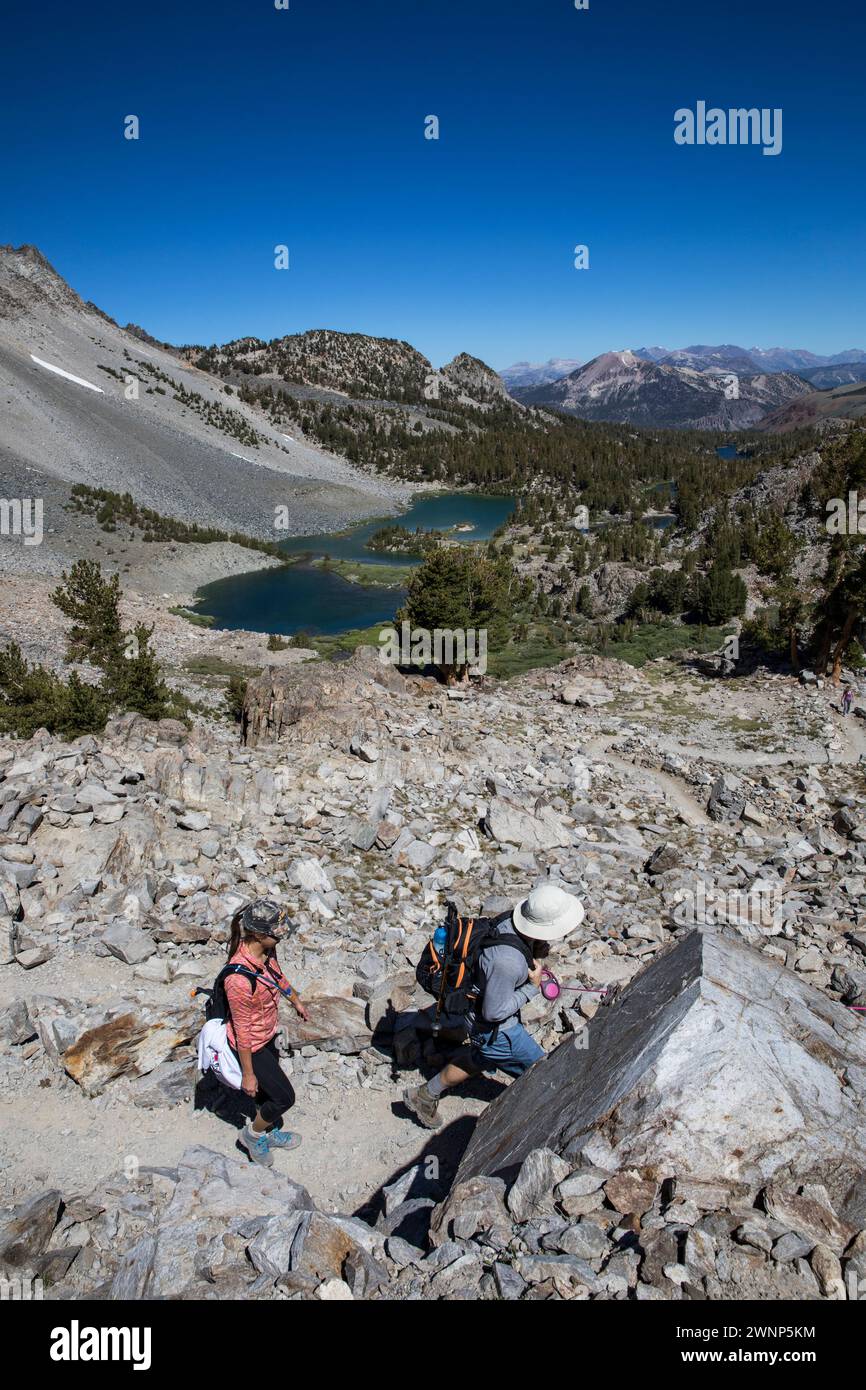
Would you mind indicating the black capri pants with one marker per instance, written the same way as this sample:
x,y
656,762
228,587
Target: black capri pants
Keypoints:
x,y
276,1094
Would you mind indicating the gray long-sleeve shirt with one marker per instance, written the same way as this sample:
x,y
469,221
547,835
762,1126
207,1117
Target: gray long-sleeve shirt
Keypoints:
x,y
505,975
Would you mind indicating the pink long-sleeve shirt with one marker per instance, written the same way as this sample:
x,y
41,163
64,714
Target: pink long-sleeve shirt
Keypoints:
x,y
254,1013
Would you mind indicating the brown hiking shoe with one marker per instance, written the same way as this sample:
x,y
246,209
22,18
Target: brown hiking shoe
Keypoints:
x,y
423,1107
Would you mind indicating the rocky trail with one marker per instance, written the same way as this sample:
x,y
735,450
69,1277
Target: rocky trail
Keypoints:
x,y
688,807
364,800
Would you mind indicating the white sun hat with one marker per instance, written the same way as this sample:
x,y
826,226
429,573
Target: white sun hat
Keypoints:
x,y
548,914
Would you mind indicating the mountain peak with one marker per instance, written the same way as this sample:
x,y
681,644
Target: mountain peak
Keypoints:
x,y
28,279
474,379
620,386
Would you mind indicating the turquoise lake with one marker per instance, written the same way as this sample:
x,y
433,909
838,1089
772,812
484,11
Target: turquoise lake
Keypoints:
x,y
304,597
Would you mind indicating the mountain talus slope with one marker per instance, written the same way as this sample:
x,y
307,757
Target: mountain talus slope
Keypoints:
x,y
183,447
146,839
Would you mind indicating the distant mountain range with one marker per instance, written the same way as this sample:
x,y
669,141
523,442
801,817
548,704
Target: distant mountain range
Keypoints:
x,y
625,387
538,373
727,356
824,372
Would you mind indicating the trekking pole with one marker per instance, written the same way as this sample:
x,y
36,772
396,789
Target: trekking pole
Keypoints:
x,y
439,1002
440,998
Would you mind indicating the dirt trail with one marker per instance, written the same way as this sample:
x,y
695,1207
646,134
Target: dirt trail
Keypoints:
x,y
851,729
674,791
354,1140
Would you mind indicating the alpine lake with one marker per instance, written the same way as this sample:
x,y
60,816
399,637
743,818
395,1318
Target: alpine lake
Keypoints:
x,y
313,593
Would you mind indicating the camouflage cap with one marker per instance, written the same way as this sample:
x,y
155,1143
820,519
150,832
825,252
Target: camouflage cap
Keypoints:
x,y
264,917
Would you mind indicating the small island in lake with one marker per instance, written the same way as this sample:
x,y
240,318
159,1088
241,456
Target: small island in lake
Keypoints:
x,y
399,539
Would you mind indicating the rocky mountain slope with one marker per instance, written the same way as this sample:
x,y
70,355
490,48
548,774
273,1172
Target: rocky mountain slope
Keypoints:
x,y
354,364
623,387
363,800
88,402
819,409
357,366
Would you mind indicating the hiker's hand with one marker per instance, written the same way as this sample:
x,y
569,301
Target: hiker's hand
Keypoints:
x,y
301,1011
249,1085
535,973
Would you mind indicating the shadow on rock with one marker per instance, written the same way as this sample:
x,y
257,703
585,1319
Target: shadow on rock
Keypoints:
x,y
403,1206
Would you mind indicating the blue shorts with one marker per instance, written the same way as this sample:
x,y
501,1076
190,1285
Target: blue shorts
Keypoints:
x,y
510,1049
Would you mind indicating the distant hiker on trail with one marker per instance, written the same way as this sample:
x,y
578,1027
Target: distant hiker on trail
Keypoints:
x,y
491,968
253,1024
847,699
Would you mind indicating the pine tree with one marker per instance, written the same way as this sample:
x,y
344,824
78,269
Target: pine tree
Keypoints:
x,y
775,547
719,595
93,604
793,609
133,680
584,601
235,696
32,698
459,587
83,710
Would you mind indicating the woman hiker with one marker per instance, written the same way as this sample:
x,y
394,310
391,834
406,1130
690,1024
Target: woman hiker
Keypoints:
x,y
497,1039
253,1024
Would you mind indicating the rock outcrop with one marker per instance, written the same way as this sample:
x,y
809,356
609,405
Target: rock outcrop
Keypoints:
x,y
715,1063
325,694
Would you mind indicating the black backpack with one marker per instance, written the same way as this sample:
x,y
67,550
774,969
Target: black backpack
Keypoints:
x,y
453,979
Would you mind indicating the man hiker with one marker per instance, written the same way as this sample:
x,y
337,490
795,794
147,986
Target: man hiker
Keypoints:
x,y
505,981
847,699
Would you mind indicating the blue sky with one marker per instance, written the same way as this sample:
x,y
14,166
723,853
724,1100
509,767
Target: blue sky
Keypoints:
x,y
305,127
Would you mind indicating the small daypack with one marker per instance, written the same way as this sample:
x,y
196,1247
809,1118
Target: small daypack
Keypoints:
x,y
452,975
217,1005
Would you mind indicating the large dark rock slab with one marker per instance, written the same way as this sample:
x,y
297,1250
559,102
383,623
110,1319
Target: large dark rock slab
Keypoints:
x,y
715,1062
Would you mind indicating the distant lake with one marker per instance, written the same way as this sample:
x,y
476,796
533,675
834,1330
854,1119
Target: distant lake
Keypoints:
x,y
728,451
305,597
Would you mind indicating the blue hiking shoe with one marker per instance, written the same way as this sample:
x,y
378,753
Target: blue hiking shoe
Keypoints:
x,y
257,1146
283,1139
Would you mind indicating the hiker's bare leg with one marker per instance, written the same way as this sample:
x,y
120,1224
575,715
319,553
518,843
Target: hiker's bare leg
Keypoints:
x,y
452,1075
258,1125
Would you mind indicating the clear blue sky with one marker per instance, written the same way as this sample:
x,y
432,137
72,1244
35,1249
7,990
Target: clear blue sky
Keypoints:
x,y
306,127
